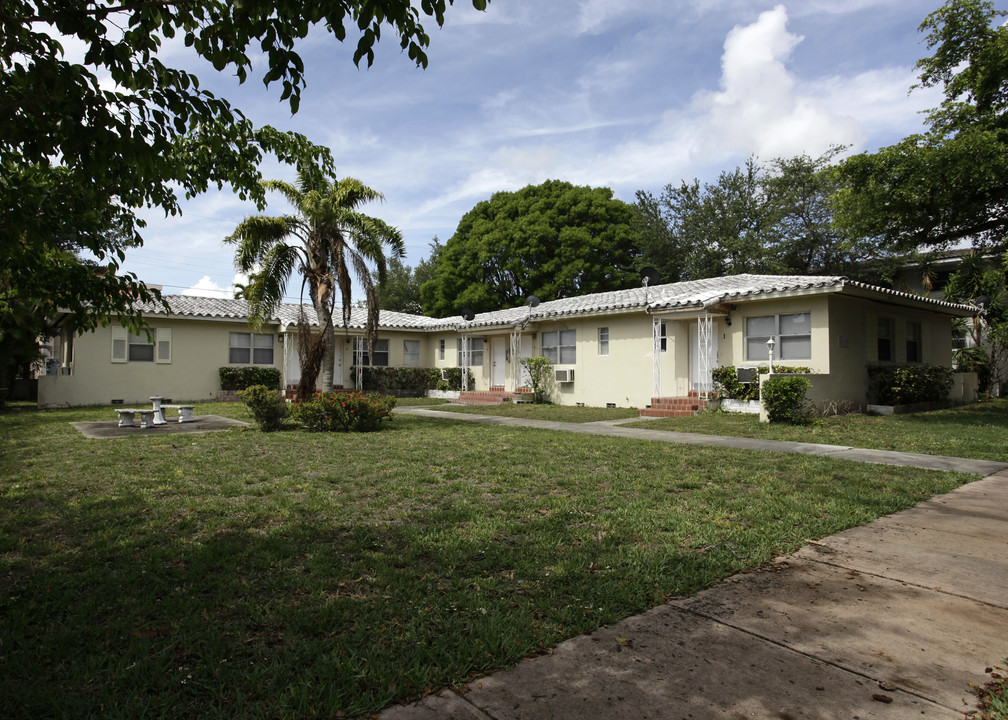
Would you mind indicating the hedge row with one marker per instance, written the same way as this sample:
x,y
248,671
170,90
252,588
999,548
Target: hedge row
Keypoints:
x,y
245,376
410,381
905,385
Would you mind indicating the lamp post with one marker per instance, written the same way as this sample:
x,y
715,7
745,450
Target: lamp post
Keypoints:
x,y
770,346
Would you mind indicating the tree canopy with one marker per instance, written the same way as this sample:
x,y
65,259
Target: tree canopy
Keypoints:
x,y
949,184
400,289
765,218
84,143
552,240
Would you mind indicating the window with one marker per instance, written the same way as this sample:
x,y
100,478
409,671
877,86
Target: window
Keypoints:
x,y
792,336
885,339
913,342
603,341
127,347
379,358
475,351
139,349
411,353
560,346
250,349
663,337
441,348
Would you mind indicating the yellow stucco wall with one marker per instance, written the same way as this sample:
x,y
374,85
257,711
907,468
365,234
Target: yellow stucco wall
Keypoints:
x,y
198,350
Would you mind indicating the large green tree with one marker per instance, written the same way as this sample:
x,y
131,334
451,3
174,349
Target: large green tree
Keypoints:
x,y
328,241
84,144
763,218
400,290
552,240
949,184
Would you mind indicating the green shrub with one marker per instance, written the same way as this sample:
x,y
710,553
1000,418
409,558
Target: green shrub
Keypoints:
x,y
729,386
784,399
904,385
540,371
341,411
266,406
245,376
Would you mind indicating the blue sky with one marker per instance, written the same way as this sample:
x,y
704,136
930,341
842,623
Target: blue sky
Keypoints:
x,y
628,94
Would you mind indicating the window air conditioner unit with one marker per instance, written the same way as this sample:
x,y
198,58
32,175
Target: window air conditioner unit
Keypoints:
x,y
564,376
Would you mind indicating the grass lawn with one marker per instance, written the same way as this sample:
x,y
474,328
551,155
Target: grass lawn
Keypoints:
x,y
247,575
973,431
560,413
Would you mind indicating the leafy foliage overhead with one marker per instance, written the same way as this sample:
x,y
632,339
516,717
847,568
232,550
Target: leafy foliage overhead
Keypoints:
x,y
85,144
552,240
949,184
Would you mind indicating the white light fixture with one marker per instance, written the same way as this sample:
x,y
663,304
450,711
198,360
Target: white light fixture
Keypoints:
x,y
770,346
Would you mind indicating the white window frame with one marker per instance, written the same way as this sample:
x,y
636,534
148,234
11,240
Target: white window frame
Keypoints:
x,y
257,344
779,347
124,342
475,351
381,352
603,341
560,346
441,349
411,353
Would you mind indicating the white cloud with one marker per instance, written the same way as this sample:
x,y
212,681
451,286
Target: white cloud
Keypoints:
x,y
206,287
760,109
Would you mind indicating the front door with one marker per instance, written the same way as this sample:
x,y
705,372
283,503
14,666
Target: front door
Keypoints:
x,y
498,351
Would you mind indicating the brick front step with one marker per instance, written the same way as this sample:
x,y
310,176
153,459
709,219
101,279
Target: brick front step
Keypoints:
x,y
675,406
494,396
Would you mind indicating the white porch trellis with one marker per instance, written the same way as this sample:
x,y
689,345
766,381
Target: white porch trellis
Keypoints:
x,y
516,344
465,362
705,343
656,374
704,354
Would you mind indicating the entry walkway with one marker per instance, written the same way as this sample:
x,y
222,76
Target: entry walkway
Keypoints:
x,y
616,429
900,618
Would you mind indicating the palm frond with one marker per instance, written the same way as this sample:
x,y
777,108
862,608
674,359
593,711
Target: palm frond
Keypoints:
x,y
266,287
257,234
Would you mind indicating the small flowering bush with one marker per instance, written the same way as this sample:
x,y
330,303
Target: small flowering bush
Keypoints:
x,y
345,411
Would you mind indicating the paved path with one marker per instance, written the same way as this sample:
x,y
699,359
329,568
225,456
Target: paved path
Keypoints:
x,y
896,619
614,429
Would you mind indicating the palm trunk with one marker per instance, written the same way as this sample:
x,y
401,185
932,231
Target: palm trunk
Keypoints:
x,y
329,353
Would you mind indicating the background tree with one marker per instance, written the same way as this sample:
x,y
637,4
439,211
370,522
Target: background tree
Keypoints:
x,y
983,279
325,241
773,218
949,184
85,144
553,240
400,290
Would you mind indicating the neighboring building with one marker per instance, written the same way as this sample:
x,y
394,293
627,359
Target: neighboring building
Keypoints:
x,y
620,348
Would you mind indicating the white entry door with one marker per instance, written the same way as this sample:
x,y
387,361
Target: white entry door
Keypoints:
x,y
498,351
337,375
292,362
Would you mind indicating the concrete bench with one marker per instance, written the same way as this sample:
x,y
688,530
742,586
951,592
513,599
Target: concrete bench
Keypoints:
x,y
185,412
128,415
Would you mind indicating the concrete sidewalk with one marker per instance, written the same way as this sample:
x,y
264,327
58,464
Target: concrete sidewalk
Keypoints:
x,y
615,429
896,619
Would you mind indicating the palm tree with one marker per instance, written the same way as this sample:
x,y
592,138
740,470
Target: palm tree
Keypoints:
x,y
326,240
